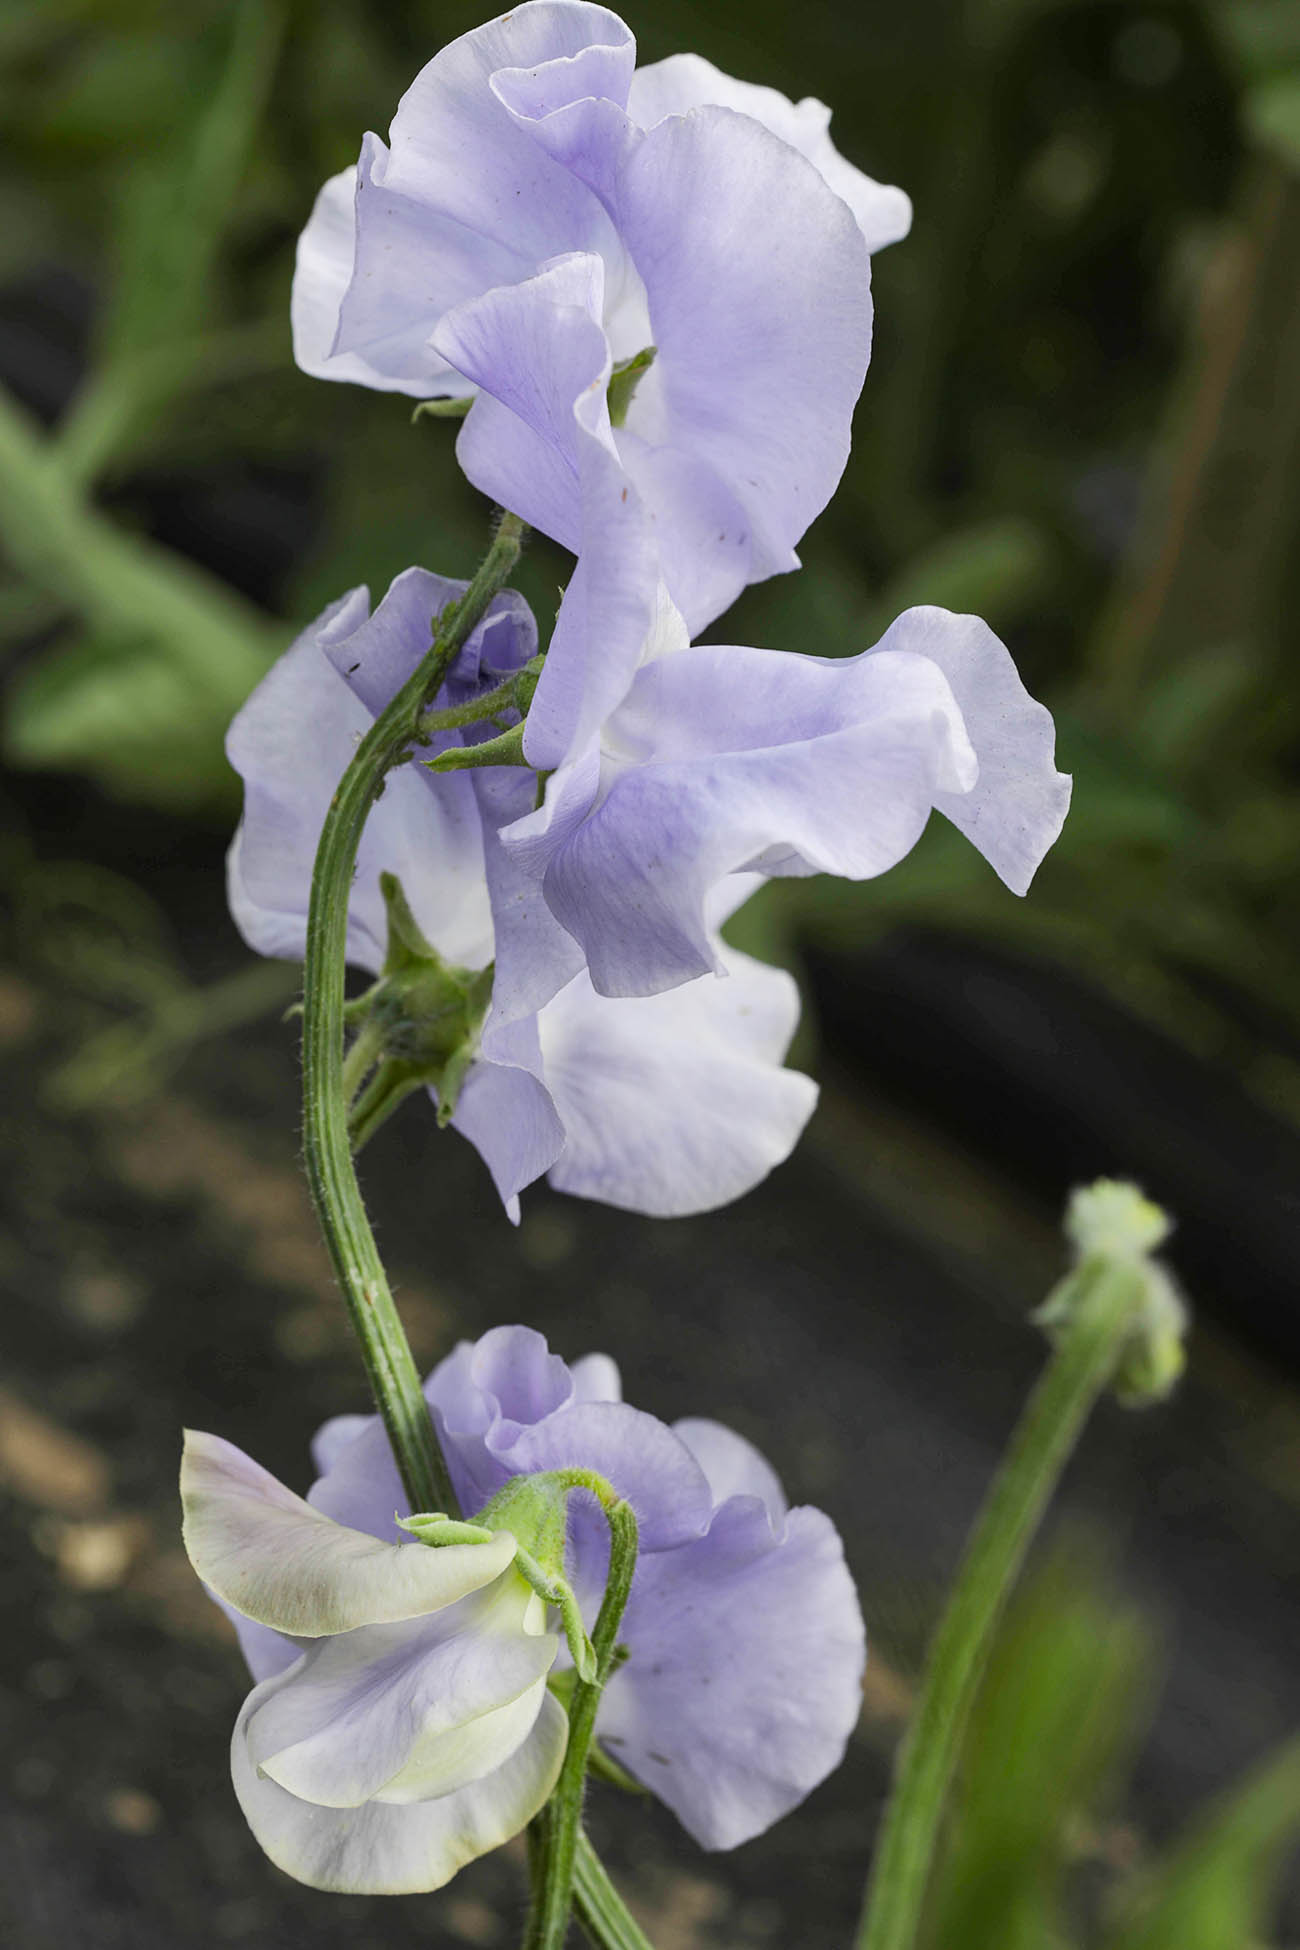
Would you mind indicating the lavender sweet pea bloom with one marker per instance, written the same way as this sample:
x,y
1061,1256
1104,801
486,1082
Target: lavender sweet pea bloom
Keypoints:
x,y
400,1725
745,1639
725,760
670,1105
547,211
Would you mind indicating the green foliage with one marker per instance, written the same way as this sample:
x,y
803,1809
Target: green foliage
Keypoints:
x,y
1054,1724
1215,1892
1039,1857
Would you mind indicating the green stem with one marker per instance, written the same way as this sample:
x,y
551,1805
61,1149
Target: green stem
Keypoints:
x,y
387,1089
363,1053
476,710
556,1859
603,1914
328,1152
1054,1416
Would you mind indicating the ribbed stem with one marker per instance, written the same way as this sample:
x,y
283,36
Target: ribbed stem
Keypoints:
x,y
1081,1366
331,1175
555,1860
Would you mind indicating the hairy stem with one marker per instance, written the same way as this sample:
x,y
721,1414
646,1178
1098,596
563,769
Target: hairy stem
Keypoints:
x,y
555,1858
1053,1419
328,1151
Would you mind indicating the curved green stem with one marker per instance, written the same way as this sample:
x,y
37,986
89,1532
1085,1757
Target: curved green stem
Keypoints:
x,y
330,1171
1082,1364
555,1860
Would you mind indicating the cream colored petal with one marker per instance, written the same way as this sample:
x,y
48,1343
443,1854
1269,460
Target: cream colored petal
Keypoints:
x,y
280,1562
385,1850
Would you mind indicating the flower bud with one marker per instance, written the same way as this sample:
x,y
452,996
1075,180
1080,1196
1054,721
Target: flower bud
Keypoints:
x,y
1114,1229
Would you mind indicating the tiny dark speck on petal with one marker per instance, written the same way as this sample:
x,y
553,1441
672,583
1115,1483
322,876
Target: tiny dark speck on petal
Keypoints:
x,y
623,495
353,667
662,1759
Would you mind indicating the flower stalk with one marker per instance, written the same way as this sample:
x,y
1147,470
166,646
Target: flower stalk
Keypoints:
x,y
331,1174
1099,1318
558,1844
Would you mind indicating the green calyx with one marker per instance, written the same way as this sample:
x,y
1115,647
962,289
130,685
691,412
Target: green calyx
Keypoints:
x,y
535,1510
418,1025
441,409
624,380
1114,1231
506,707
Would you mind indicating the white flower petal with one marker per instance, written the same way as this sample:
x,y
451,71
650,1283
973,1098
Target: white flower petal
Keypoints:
x,y
278,1561
385,1850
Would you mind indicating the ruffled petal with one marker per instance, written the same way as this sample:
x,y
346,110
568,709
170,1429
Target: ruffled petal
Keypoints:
x,y
1018,804
744,1680
394,360
675,1103
291,742
408,1712
383,1849
729,760
640,1456
760,306
596,1379
280,1562
360,1486
687,81
733,1466
507,1112
539,441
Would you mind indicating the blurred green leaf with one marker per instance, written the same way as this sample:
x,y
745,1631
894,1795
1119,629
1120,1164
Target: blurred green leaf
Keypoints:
x,y
1272,115
172,215
118,710
1217,1890
174,211
153,620
1056,1718
996,569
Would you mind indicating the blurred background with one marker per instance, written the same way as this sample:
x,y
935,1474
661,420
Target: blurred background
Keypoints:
x,y
1082,421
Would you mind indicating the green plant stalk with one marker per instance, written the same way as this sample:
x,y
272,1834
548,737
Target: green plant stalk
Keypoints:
x,y
555,1855
600,1909
331,1174
1081,1365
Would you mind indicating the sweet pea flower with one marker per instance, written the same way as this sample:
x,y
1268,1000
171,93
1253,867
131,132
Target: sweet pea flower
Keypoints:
x,y
744,1636
724,760
400,1723
668,1105
548,212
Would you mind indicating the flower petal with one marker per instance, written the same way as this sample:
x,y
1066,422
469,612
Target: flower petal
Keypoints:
x,y
383,1849
640,1456
733,1466
1018,804
360,1486
280,1562
730,760
744,1680
760,307
507,1113
394,361
687,81
409,1711
539,441
291,742
675,1103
